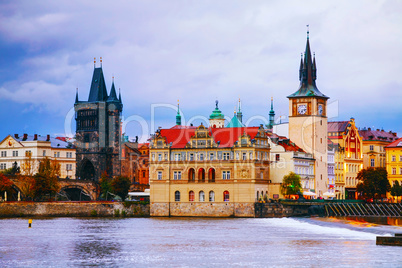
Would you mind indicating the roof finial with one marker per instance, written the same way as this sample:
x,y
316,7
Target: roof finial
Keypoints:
x,y
216,104
101,61
234,110
112,77
94,62
308,31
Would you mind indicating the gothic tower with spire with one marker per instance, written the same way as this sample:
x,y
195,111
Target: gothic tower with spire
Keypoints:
x,y
308,119
98,130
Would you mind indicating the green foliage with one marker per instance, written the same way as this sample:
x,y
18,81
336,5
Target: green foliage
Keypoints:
x,y
291,184
105,185
14,170
117,213
123,213
5,183
396,189
94,213
373,182
120,186
45,182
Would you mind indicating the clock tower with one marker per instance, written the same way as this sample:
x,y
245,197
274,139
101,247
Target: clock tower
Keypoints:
x,y
308,119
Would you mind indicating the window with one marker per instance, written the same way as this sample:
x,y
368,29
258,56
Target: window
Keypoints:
x,y
177,157
3,153
393,171
226,175
159,175
372,162
393,158
201,157
400,158
191,196
177,196
143,174
153,157
225,156
211,196
177,175
277,157
191,174
28,153
69,166
226,196
44,153
55,154
202,196
251,156
159,157
69,155
244,156
371,147
211,156
3,166
191,157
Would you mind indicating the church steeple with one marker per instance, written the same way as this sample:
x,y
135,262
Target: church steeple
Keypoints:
x,y
307,75
178,116
239,113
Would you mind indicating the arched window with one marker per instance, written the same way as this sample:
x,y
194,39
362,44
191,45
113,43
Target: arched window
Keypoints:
x,y
202,196
201,175
226,196
211,175
191,175
177,196
258,195
191,196
211,196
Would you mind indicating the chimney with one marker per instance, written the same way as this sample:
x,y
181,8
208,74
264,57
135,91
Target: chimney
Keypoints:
x,y
25,137
35,137
16,136
47,137
369,129
378,129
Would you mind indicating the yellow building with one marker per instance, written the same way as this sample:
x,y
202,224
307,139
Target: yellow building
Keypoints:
x,y
374,143
308,120
34,148
348,157
216,171
394,161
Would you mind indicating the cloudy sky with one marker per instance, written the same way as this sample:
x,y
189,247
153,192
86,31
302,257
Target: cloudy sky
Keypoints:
x,y
197,52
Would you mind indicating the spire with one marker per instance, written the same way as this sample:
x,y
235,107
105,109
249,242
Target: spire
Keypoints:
x,y
98,87
178,116
307,75
271,115
112,96
119,96
239,113
76,96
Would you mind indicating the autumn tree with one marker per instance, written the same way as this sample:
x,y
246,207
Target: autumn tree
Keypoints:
x,y
291,184
396,190
5,183
28,165
373,182
120,186
46,182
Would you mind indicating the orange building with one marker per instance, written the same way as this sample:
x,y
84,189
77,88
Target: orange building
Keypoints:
x,y
143,165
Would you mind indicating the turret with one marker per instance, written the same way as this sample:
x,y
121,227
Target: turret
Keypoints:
x,y
178,116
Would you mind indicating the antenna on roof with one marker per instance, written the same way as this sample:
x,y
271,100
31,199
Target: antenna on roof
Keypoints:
x,y
101,61
94,62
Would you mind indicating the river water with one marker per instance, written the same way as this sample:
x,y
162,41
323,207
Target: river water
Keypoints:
x,y
198,242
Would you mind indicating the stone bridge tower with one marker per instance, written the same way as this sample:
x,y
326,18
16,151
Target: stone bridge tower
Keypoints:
x,y
98,130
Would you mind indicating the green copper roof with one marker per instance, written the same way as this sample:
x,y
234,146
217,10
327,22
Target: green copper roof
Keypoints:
x,y
235,122
216,114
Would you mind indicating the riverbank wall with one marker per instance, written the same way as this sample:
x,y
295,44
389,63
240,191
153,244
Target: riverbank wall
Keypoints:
x,y
73,209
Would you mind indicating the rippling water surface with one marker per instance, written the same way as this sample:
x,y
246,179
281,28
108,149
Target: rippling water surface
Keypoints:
x,y
189,242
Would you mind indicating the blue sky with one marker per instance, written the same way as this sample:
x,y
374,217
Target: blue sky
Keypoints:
x,y
196,51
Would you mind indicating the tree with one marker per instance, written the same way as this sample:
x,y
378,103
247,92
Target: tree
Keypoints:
x,y
120,186
373,182
291,184
28,165
5,183
105,185
396,190
46,183
14,170
26,184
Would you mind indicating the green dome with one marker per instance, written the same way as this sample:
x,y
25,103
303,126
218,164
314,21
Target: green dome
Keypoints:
x,y
216,114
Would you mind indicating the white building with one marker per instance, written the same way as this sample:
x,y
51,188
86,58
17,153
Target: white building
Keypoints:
x,y
20,148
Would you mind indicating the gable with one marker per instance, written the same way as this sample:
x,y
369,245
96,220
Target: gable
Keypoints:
x,y
10,142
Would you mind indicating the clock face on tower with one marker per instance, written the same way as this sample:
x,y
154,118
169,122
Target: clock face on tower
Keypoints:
x,y
320,109
302,109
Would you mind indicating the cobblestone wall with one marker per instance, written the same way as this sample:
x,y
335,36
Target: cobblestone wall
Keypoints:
x,y
72,209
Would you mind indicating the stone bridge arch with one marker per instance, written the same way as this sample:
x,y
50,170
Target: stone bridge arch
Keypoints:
x,y
79,190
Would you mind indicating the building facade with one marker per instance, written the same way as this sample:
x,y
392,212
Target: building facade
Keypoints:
x,y
28,150
98,130
374,143
348,156
216,171
308,119
394,161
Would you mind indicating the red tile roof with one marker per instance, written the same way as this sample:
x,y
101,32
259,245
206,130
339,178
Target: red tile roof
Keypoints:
x,y
397,143
224,137
377,135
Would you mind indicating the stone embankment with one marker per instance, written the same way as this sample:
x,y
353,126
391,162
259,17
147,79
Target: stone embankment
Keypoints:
x,y
73,209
